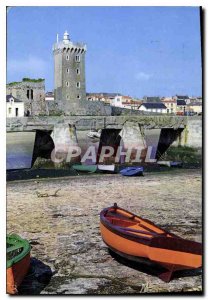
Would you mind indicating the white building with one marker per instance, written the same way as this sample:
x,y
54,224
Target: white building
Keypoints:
x,y
14,107
125,102
49,96
155,107
117,101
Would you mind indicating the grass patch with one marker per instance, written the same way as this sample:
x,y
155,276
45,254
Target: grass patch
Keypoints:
x,y
33,80
25,80
185,154
13,83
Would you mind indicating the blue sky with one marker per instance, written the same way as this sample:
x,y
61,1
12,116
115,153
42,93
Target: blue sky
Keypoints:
x,y
137,51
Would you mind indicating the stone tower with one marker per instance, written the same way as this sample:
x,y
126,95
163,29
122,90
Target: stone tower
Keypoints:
x,y
69,73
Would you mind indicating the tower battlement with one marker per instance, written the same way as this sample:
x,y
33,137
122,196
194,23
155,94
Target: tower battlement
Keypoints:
x,y
71,46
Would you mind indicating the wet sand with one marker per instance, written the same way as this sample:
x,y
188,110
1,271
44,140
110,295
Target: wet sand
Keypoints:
x,y
64,230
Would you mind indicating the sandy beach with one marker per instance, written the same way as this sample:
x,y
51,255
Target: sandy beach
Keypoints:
x,y
64,230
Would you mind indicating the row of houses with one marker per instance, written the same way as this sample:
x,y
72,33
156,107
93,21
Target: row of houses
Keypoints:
x,y
183,106
177,105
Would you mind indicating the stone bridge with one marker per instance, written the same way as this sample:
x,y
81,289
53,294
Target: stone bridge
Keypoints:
x,y
32,135
191,135
96,122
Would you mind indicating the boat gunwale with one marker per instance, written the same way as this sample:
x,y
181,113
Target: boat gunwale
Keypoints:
x,y
105,210
26,250
142,239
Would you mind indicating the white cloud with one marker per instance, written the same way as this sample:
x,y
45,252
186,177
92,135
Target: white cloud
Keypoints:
x,y
143,76
30,66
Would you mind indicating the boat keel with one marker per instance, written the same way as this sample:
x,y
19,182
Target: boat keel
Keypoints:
x,y
167,275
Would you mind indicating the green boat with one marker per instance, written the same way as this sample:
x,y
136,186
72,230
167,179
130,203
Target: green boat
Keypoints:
x,y
18,261
85,168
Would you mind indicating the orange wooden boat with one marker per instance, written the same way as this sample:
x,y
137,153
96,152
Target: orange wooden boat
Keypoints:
x,y
18,261
133,237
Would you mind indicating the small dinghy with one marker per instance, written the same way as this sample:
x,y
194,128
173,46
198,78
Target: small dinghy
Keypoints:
x,y
107,168
18,261
173,164
132,171
85,168
176,164
93,134
134,238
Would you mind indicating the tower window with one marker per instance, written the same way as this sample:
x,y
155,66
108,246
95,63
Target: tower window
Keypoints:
x,y
32,94
67,57
78,71
67,70
78,96
78,84
67,96
28,94
67,83
77,58
10,110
